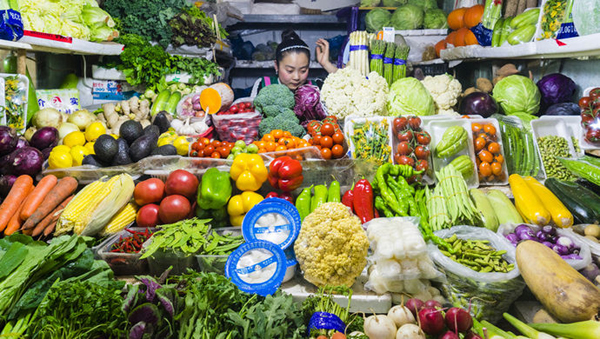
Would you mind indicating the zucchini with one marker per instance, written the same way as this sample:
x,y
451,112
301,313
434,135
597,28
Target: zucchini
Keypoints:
x,y
171,105
521,35
159,103
580,201
506,31
526,18
527,202
505,210
589,185
582,169
497,33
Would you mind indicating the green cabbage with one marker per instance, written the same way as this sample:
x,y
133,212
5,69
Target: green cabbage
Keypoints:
x,y
393,3
96,16
435,18
425,4
407,17
103,33
376,19
408,96
369,3
517,93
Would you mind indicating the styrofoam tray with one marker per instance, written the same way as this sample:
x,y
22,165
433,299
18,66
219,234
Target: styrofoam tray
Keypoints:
x,y
101,73
499,141
547,127
349,123
436,130
428,178
574,125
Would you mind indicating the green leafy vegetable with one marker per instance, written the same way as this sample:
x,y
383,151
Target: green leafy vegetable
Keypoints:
x,y
517,93
193,27
435,18
377,18
408,96
407,17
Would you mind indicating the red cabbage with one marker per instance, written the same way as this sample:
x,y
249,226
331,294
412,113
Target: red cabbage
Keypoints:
x,y
308,104
556,88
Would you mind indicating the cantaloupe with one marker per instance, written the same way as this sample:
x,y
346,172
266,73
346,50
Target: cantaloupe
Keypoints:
x,y
563,291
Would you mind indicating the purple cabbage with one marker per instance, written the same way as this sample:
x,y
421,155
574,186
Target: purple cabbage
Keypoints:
x,y
556,88
8,140
308,104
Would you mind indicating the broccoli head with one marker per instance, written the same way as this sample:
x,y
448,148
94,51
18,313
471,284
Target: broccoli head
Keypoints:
x,y
286,121
274,95
274,110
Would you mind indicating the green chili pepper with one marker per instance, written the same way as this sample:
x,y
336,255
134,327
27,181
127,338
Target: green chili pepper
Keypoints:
x,y
333,194
303,202
400,196
319,198
382,207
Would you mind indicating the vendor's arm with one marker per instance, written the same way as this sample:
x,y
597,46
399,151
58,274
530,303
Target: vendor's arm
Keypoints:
x,y
322,52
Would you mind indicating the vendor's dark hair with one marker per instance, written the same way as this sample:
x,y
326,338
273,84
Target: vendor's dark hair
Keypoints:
x,y
290,43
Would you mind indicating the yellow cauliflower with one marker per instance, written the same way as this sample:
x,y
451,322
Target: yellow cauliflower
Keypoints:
x,y
332,246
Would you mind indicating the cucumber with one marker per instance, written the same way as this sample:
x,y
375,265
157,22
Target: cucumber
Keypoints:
x,y
171,105
498,28
506,31
580,201
159,103
521,35
482,203
526,18
504,209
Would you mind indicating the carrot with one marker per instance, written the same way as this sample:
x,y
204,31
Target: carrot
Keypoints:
x,y
36,197
50,228
15,221
65,187
51,217
27,232
338,335
15,197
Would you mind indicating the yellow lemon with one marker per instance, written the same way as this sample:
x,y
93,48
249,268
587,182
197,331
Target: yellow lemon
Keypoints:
x,y
61,148
60,160
90,147
74,139
182,145
114,136
78,153
94,130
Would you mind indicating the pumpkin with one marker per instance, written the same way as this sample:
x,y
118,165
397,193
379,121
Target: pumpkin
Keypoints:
x,y
456,18
472,16
470,39
450,38
439,47
459,39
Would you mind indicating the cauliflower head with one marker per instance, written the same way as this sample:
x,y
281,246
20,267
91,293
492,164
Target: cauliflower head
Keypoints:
x,y
332,246
444,89
348,93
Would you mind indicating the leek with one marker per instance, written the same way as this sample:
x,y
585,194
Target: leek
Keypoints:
x,y
588,329
527,330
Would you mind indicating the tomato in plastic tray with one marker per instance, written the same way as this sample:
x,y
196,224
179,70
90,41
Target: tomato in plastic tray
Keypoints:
x,y
232,127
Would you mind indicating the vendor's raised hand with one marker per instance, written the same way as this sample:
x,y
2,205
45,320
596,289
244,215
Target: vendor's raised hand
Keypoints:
x,y
322,52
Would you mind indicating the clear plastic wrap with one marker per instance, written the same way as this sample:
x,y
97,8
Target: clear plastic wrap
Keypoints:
x,y
487,295
584,252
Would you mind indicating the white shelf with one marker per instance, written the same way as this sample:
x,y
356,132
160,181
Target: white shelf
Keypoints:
x,y
13,45
588,45
42,42
265,64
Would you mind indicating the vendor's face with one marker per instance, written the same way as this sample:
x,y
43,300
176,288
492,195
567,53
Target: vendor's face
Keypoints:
x,y
293,70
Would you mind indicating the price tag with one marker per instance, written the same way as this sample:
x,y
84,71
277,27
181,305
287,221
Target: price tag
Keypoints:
x,y
389,34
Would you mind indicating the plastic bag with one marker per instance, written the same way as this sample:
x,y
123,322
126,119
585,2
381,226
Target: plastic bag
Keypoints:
x,y
586,16
487,295
63,100
242,126
594,246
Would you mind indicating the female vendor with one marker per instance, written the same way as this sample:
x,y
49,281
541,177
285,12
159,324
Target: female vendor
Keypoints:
x,y
292,59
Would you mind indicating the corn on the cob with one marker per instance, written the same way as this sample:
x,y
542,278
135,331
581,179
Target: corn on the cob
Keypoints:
x,y
95,205
121,220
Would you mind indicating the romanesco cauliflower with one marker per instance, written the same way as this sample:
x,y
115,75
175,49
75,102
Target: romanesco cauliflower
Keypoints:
x,y
348,93
445,90
332,246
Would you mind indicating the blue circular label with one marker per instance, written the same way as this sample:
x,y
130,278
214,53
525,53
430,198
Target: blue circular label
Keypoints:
x,y
290,257
240,276
254,232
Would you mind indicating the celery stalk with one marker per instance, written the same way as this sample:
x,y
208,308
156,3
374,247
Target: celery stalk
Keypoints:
x,y
527,330
588,329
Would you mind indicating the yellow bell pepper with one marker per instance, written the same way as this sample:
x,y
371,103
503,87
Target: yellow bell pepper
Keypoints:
x,y
249,172
240,204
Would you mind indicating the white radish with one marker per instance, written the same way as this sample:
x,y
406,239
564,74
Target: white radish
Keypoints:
x,y
380,327
401,315
410,331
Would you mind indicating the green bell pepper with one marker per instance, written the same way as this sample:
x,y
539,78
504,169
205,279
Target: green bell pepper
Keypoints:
x,y
215,189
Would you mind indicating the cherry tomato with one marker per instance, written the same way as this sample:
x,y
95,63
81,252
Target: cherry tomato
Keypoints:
x,y
215,155
422,165
592,136
406,160
480,144
327,129
326,142
195,145
499,158
406,135
224,151
317,140
404,148
485,156
586,119
337,151
326,153
423,138
205,141
201,153
208,150
234,109
494,147
399,124
584,102
216,143
594,93
422,152
496,168
476,127
489,129
414,123
485,169
338,138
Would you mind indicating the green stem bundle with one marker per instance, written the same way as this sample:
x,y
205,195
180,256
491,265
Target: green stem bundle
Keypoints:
x,y
400,57
377,51
388,60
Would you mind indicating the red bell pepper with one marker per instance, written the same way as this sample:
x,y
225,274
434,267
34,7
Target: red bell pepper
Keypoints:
x,y
285,196
285,174
348,199
363,200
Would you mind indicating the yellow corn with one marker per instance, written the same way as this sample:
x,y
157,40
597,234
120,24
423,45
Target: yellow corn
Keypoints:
x,y
80,206
121,220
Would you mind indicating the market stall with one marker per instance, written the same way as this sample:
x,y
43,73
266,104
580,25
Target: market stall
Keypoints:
x,y
397,200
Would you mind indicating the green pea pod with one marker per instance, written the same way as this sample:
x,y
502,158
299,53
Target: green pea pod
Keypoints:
x,y
333,194
319,198
303,202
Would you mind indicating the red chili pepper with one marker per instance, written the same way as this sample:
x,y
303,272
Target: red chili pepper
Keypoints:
x,y
348,199
363,200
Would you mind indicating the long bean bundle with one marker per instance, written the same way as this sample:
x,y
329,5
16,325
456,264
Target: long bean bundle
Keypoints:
x,y
400,56
461,209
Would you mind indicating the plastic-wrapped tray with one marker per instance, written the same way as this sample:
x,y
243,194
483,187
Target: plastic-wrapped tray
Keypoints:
x,y
503,180
123,263
351,122
161,166
14,98
87,173
160,261
548,127
428,177
437,129
216,263
573,123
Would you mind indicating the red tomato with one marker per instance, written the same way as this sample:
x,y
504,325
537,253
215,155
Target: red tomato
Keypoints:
x,y
414,123
584,102
423,138
422,165
147,216
595,93
216,155
182,182
404,148
327,130
406,136
421,152
174,208
400,124
149,191
234,109
406,160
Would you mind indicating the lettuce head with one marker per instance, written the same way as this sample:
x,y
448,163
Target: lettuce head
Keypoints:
x,y
517,93
408,96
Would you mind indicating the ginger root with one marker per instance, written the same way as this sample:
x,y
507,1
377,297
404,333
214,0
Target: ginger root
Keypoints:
x,y
110,114
469,91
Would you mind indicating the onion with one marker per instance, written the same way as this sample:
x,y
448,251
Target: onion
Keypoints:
x,y
513,238
410,331
22,142
47,117
543,236
458,319
8,140
528,236
472,335
521,228
401,315
549,229
571,257
82,118
548,244
380,327
566,242
560,249
6,183
431,320
44,137
65,128
414,305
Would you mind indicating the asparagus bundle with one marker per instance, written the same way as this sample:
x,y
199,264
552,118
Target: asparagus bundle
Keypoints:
x,y
359,52
377,50
388,60
400,56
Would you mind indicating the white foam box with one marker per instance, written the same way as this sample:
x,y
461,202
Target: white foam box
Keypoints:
x,y
326,5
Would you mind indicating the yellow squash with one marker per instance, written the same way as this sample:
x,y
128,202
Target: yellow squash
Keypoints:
x,y
527,203
560,214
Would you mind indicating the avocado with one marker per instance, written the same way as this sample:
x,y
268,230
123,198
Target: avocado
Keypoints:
x,y
165,150
152,129
93,160
105,148
162,121
122,156
142,147
130,130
